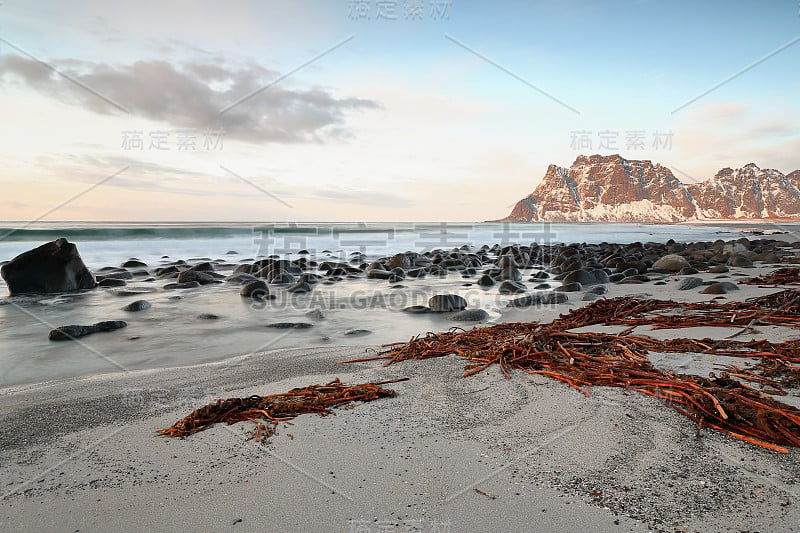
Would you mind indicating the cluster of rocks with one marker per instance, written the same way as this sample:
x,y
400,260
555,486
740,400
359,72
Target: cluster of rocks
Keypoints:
x,y
559,269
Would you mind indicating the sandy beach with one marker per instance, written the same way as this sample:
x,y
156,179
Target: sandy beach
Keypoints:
x,y
482,453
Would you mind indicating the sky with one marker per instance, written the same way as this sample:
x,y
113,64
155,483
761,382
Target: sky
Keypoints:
x,y
376,110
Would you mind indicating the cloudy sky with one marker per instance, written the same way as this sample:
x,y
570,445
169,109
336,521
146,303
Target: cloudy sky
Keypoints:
x,y
320,110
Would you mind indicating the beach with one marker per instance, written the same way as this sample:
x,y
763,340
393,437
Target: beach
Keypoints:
x,y
447,453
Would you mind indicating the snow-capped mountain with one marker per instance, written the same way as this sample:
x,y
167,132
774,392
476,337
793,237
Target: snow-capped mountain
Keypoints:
x,y
613,189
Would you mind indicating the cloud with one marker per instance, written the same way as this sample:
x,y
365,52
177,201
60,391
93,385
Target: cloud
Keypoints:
x,y
191,95
150,176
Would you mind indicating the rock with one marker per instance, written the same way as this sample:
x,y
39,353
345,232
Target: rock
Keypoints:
x,y
241,278
416,273
115,273
255,289
570,287
584,277
485,281
417,309
541,298
357,332
112,282
282,278
299,287
598,289
208,316
133,292
398,260
138,305
469,315
133,263
167,272
739,260
512,287
193,275
720,287
687,271
52,267
443,303
374,266
379,274
689,283
600,276
767,257
718,269
290,325
65,333
671,263
309,278
187,285
203,267
590,296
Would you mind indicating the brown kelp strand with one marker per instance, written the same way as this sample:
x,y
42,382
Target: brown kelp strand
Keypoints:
x,y
589,359
266,412
782,276
779,309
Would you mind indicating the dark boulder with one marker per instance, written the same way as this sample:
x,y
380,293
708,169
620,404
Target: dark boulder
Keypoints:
x,y
720,287
299,287
138,305
202,278
111,282
66,333
52,267
570,287
689,283
512,287
485,280
584,277
469,315
443,303
255,289
417,309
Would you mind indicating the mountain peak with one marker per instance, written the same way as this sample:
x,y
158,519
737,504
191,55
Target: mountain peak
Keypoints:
x,y
614,189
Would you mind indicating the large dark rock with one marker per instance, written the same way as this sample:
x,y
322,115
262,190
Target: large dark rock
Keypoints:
x,y
53,267
138,305
255,289
66,333
470,315
443,303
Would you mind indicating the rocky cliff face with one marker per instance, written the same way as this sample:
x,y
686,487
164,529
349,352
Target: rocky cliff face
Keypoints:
x,y
613,189
748,192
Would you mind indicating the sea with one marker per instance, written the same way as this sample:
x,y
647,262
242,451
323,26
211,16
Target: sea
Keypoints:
x,y
214,323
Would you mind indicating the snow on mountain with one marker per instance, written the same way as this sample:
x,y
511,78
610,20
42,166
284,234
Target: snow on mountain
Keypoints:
x,y
613,189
